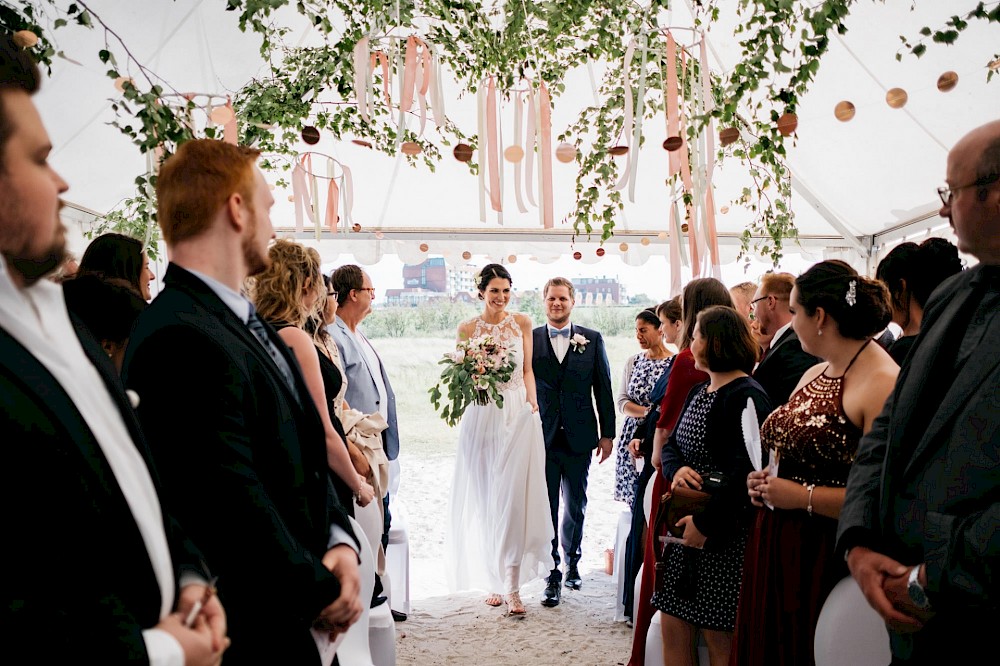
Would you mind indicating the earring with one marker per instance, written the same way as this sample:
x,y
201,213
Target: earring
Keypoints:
x,y
819,331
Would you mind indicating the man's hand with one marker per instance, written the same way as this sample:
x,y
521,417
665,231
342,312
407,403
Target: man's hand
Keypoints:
x,y
896,591
603,450
212,611
195,641
342,562
872,571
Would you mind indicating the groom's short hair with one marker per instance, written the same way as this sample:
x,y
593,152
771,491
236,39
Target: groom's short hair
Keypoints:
x,y
559,282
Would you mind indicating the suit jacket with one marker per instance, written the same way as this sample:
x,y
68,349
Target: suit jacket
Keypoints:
x,y
782,367
567,390
362,393
244,464
932,496
77,580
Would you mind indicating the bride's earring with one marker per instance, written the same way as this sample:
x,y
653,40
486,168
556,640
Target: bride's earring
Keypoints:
x,y
819,331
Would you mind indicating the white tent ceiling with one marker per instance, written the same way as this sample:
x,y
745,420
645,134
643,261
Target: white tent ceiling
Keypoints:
x,y
871,179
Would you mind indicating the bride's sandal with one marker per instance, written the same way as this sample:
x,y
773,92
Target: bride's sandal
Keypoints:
x,y
494,600
514,604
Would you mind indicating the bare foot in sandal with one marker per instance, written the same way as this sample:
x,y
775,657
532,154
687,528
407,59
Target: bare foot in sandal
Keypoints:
x,y
494,600
514,604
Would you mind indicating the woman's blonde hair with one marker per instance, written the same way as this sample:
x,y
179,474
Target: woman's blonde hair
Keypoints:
x,y
277,292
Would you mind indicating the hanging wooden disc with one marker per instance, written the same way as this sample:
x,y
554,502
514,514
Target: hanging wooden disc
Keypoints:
x,y
121,81
623,247
310,135
565,152
513,154
724,210
673,143
466,255
512,259
356,227
644,241
600,252
361,142
662,235
684,227
578,255
221,115
411,148
787,124
729,135
947,81
618,150
25,39
844,111
424,247
896,98
463,152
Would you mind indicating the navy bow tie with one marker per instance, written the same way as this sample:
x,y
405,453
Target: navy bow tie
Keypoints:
x,y
556,332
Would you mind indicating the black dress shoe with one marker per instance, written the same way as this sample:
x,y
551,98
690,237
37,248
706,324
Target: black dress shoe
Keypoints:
x,y
378,600
398,616
550,598
573,580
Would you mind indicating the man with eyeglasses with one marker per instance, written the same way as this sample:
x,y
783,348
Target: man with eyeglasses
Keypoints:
x,y
368,387
781,368
920,526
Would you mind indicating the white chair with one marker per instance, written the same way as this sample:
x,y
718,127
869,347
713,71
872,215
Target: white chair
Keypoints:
x,y
621,538
849,631
381,636
354,650
397,559
647,507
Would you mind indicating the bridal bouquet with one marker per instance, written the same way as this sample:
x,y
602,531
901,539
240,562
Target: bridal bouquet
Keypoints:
x,y
472,374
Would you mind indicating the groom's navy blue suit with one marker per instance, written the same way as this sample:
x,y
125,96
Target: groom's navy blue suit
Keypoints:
x,y
566,395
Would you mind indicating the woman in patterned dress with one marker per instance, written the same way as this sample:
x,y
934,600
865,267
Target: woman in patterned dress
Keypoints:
x,y
790,565
500,533
701,585
639,377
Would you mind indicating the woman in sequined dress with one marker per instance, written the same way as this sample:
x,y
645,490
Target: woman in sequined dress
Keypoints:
x,y
790,566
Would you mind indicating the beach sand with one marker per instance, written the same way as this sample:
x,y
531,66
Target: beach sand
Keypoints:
x,y
459,628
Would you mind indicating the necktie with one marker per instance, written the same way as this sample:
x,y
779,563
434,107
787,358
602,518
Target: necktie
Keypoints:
x,y
557,332
256,327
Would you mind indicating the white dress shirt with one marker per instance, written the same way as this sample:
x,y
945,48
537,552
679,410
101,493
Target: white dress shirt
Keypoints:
x,y
560,343
38,319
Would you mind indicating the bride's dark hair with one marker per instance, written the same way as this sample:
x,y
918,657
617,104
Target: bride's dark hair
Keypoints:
x,y
491,272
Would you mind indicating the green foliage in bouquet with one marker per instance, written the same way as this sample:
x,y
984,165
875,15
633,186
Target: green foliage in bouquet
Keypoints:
x,y
473,373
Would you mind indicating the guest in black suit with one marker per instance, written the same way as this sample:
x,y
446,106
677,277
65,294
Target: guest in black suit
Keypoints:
x,y
784,362
250,480
920,520
94,570
912,272
571,372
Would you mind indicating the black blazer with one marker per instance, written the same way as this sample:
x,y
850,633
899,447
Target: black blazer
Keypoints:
x,y
932,496
77,581
567,390
244,464
783,366
729,506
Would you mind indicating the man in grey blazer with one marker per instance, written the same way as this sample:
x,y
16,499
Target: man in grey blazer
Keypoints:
x,y
368,386
920,524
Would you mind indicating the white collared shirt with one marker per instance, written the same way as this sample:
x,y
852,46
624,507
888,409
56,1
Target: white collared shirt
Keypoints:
x,y
780,332
38,319
560,344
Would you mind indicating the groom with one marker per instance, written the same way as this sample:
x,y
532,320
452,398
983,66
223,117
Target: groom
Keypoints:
x,y
571,371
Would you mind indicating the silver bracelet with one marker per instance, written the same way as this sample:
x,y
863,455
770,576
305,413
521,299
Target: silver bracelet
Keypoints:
x,y
809,507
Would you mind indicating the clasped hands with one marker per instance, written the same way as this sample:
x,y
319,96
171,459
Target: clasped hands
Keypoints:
x,y
779,493
686,477
204,641
884,582
342,561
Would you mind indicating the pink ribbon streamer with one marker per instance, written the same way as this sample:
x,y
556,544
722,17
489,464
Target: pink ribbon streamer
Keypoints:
x,y
545,113
332,204
673,109
688,186
529,149
409,75
492,152
518,180
707,106
230,133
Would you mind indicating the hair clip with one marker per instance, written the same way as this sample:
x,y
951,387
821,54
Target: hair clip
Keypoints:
x,y
852,293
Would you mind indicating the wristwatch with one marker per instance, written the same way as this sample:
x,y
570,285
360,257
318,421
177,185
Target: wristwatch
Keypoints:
x,y
916,591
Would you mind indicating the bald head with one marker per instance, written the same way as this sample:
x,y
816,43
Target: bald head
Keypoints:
x,y
973,176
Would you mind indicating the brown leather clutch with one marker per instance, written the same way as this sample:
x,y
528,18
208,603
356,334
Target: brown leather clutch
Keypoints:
x,y
680,502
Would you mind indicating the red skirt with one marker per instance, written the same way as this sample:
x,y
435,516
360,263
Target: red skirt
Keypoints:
x,y
788,572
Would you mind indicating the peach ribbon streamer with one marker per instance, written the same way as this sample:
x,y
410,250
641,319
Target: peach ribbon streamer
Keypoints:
x,y
301,191
529,149
688,186
480,149
545,130
409,74
230,133
708,102
362,73
627,124
518,180
383,61
492,153
332,204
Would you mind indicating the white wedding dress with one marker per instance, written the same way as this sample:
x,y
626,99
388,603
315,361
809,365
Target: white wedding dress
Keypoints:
x,y
500,530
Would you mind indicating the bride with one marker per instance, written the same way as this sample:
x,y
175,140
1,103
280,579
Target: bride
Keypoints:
x,y
500,533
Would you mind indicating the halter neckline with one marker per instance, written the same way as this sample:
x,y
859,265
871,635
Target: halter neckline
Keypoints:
x,y
853,359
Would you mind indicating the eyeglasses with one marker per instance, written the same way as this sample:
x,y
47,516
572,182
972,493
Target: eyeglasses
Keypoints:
x,y
758,300
332,294
946,193
370,290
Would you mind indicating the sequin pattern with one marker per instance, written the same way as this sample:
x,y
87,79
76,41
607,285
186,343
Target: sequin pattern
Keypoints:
x,y
815,441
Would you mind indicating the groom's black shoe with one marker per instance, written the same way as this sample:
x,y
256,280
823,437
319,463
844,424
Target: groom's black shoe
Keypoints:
x,y
573,580
553,590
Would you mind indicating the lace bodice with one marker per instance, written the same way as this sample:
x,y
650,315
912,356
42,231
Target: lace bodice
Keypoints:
x,y
508,333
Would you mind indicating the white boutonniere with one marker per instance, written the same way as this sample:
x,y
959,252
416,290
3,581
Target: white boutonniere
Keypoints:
x,y
578,343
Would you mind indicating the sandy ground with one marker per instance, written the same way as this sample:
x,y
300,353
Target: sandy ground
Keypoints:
x,y
459,628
